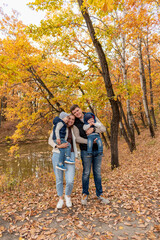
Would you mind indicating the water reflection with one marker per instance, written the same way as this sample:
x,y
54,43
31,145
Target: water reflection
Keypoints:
x,y
32,159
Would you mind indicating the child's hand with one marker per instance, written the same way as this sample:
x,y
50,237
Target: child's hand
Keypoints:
x,y
91,124
95,140
58,141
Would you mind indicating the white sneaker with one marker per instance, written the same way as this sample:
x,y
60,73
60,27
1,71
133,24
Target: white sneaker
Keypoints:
x,y
84,199
104,200
60,203
68,201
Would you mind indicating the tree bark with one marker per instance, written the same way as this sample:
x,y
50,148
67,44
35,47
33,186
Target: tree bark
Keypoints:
x,y
144,87
108,85
135,124
124,133
129,130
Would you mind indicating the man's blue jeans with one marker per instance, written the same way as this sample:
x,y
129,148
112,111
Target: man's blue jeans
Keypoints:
x,y
90,141
64,152
69,175
95,161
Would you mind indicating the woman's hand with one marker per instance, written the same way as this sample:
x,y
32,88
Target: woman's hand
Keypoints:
x,y
63,145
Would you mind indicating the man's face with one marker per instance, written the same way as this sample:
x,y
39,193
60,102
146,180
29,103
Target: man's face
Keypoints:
x,y
77,112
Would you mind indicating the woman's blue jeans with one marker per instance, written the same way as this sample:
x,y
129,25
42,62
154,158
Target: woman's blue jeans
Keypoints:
x,y
69,175
95,161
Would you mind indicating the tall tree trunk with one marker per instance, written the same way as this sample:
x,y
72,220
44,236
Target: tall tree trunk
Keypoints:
x,y
1,113
129,130
108,85
150,84
135,124
142,114
129,115
144,87
124,133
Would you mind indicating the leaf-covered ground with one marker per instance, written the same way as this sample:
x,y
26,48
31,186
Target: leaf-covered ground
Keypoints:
x,y
29,212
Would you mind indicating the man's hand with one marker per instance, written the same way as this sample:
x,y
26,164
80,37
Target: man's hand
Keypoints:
x,y
89,131
58,141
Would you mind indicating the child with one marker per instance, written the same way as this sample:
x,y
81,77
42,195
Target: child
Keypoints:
x,y
60,134
90,122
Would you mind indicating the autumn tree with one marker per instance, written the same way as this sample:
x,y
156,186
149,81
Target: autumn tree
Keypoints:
x,y
30,80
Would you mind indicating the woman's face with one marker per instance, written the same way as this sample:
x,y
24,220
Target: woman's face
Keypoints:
x,y
71,120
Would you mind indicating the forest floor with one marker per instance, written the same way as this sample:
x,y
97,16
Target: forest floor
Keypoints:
x,y
29,210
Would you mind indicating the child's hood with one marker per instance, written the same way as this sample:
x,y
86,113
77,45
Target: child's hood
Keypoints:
x,y
57,120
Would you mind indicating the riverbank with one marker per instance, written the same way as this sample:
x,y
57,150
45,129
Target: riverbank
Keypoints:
x,y
8,128
29,211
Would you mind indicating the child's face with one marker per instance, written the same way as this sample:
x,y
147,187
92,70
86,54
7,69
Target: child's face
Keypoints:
x,y
91,120
65,119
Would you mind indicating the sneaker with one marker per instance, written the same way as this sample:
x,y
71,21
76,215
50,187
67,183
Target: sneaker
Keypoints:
x,y
60,203
68,160
84,199
104,200
61,167
68,201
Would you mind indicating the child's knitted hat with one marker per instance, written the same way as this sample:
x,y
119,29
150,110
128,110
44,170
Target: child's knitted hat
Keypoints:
x,y
87,116
63,115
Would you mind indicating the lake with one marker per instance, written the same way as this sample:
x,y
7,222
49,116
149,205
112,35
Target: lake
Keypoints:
x,y
33,158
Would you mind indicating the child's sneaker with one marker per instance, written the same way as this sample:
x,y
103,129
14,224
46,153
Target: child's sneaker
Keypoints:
x,y
61,167
69,161
84,199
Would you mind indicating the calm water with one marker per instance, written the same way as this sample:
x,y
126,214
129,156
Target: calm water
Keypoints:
x,y
32,159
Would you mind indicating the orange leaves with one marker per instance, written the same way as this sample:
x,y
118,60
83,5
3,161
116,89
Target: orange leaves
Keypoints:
x,y
132,214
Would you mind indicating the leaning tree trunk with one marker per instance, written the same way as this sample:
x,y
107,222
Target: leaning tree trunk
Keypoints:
x,y
43,87
144,88
108,85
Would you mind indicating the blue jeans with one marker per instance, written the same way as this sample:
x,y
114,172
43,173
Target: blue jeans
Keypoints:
x,y
90,141
64,152
95,160
69,175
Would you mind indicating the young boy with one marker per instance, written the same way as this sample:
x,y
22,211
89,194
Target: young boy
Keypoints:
x,y
60,134
90,122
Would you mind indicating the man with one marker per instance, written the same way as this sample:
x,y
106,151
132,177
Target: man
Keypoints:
x,y
94,160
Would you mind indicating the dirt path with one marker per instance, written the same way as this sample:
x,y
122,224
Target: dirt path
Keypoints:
x,y
29,212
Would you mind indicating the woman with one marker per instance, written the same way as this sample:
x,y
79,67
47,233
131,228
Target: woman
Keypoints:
x,y
70,168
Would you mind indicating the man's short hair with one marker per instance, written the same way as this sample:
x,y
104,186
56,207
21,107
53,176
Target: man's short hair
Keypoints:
x,y
73,107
